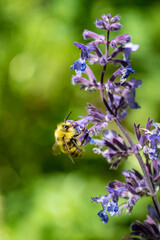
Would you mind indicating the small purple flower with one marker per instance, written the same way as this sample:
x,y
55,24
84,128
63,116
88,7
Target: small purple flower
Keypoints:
x,y
88,34
119,104
89,84
130,99
108,205
116,18
150,138
101,24
128,48
141,137
116,147
79,66
120,40
154,139
103,216
97,118
81,129
114,27
84,48
112,208
106,18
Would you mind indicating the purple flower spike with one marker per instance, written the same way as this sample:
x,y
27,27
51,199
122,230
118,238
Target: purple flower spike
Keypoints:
x,y
107,21
117,93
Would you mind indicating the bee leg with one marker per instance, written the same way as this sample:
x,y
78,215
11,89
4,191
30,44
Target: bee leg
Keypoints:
x,y
74,141
67,148
85,137
81,132
72,123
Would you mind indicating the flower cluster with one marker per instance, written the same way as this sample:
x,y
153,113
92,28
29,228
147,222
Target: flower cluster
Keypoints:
x,y
118,94
135,185
116,147
121,94
149,139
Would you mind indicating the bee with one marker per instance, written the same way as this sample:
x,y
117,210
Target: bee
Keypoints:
x,y
67,140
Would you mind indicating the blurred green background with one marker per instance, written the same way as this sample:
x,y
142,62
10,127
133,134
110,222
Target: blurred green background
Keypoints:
x,y
43,197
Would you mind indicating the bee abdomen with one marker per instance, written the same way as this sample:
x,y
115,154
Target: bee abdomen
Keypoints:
x,y
77,153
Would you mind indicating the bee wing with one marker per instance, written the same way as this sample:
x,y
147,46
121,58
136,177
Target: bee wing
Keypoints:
x,y
69,155
55,149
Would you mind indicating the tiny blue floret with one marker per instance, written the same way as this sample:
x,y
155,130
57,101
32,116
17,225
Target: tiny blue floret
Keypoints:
x,y
103,215
112,208
79,66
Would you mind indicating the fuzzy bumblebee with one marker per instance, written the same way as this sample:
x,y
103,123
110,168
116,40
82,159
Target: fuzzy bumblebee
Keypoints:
x,y
67,140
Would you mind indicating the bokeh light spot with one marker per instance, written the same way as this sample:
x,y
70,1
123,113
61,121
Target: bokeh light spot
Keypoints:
x,y
22,67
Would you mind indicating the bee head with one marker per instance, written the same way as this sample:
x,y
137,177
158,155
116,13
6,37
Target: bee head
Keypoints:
x,y
65,126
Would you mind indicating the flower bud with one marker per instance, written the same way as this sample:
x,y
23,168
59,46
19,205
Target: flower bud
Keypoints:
x,y
106,18
121,39
114,27
100,24
115,18
88,34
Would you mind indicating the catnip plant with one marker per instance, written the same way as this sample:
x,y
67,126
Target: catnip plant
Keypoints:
x,y
118,95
